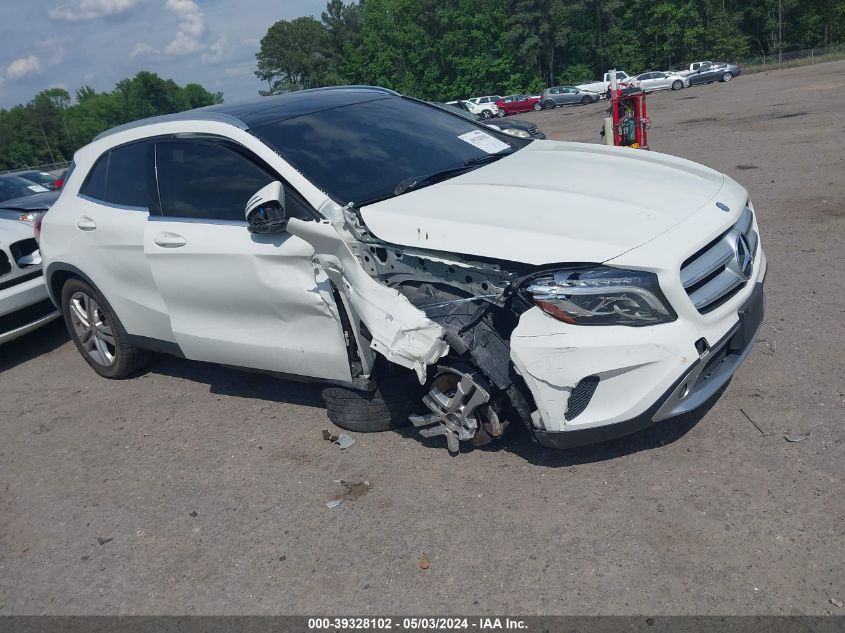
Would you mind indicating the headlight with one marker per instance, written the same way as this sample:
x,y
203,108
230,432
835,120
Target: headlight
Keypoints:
x,y
600,296
30,216
515,132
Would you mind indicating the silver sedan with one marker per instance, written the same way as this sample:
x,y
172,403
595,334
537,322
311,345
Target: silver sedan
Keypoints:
x,y
649,82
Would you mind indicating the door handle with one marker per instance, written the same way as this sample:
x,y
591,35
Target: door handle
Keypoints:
x,y
85,223
169,240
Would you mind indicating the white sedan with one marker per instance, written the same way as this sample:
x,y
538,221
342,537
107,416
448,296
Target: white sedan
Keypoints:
x,y
656,80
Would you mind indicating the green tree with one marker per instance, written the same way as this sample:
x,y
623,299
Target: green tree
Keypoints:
x,y
294,54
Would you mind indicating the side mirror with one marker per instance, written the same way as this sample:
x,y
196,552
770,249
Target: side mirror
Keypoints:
x,y
265,211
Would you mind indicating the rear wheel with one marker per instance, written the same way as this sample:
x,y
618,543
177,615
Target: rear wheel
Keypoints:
x,y
549,104
98,334
388,407
537,107
677,84
727,76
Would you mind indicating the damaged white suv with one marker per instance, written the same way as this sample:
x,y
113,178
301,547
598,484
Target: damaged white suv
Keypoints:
x,y
419,264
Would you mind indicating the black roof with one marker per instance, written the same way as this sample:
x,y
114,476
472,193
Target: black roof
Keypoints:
x,y
258,111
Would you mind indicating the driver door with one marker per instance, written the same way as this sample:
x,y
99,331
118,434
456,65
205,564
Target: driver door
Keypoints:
x,y
233,297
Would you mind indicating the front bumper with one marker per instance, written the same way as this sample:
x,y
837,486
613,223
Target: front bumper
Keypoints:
x,y
596,383
694,388
24,307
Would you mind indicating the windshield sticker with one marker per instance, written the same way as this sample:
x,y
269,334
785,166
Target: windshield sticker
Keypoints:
x,y
484,142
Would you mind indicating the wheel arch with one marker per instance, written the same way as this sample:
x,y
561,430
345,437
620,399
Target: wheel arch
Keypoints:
x,y
57,275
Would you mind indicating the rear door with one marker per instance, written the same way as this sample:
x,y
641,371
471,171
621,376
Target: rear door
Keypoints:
x,y
111,212
234,297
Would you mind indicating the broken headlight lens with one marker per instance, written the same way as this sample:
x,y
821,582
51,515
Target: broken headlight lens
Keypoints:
x,y
601,296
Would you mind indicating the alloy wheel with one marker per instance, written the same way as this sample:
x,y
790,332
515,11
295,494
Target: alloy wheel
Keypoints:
x,y
93,332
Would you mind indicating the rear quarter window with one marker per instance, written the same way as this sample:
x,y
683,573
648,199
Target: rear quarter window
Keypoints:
x,y
120,176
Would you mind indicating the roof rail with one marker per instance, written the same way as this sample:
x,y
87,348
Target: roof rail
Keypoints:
x,y
188,115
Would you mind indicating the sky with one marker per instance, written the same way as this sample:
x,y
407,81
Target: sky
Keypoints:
x,y
72,43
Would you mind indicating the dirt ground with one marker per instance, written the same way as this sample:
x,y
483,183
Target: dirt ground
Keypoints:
x,y
207,487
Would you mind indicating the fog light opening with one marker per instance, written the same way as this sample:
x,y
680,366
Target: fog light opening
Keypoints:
x,y
684,392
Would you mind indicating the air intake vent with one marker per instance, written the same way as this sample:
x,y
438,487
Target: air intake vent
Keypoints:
x,y
5,266
580,397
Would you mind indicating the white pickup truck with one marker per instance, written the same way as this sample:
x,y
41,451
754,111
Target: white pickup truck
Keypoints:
x,y
602,85
693,67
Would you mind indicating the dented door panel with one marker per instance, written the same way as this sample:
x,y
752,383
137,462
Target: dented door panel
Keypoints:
x,y
245,300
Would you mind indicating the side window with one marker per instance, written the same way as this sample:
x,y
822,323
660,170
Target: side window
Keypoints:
x,y
205,180
126,183
120,177
95,182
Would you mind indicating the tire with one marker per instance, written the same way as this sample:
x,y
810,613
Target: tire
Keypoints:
x,y
501,113
486,114
549,104
586,100
677,84
537,107
727,76
103,342
386,408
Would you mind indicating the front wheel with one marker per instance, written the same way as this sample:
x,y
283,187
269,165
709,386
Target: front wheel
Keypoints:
x,y
549,105
501,113
486,114
677,84
537,107
727,76
387,407
98,334
586,100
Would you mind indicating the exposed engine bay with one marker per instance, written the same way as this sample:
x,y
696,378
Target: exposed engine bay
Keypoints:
x,y
446,317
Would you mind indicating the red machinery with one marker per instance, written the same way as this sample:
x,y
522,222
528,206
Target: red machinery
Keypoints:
x,y
629,117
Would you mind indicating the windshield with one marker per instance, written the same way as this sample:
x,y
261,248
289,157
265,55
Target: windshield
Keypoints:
x,y
361,152
17,187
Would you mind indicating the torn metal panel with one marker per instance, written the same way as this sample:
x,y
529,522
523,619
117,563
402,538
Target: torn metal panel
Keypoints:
x,y
400,332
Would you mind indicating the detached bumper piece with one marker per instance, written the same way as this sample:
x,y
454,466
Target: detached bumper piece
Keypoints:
x,y
712,371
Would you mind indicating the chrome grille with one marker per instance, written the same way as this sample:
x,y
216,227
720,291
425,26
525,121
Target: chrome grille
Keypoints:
x,y
722,268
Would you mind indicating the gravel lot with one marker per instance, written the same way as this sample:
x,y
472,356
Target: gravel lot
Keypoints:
x,y
212,484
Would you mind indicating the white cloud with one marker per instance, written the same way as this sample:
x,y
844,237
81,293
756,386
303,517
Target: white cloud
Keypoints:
x,y
219,51
23,66
143,49
90,9
191,28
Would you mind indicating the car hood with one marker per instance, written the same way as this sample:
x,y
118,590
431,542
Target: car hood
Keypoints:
x,y
36,202
550,202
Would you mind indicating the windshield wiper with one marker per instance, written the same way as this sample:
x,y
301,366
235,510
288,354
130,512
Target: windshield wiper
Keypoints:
x,y
417,182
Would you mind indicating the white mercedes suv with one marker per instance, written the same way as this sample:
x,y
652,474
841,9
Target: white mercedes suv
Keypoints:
x,y
419,264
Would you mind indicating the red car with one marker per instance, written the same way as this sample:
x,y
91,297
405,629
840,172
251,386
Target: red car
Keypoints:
x,y
518,103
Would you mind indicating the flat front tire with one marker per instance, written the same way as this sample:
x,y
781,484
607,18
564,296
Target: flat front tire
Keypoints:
x,y
388,407
98,334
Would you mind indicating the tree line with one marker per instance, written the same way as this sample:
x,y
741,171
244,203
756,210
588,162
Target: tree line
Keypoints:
x,y
50,128
446,49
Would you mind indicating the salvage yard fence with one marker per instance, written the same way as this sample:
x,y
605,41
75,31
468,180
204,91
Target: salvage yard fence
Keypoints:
x,y
788,59
58,166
